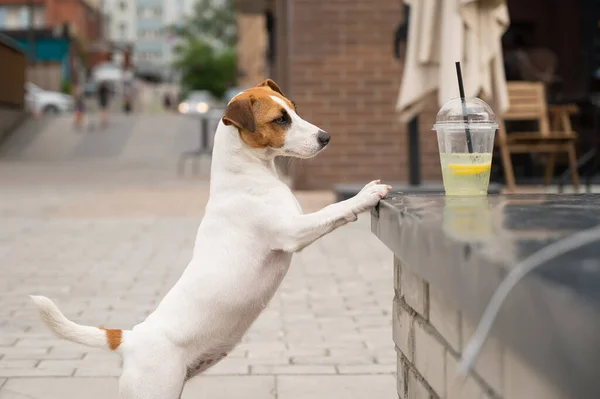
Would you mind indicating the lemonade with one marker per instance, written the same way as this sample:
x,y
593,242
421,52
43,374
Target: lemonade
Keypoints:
x,y
465,129
466,174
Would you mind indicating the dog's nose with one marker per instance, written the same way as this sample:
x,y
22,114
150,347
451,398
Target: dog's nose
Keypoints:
x,y
323,137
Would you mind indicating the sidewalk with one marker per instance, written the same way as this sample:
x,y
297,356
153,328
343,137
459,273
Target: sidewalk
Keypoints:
x,y
107,249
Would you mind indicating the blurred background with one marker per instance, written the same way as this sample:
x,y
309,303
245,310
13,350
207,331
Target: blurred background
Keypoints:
x,y
342,62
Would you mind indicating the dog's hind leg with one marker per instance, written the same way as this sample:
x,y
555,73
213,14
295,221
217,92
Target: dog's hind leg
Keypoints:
x,y
158,375
163,381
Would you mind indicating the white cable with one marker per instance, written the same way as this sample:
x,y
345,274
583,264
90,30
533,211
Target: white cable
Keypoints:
x,y
521,270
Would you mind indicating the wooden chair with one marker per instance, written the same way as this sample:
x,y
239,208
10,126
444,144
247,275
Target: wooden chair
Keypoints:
x,y
528,103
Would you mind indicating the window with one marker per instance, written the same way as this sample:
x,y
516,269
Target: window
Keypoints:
x,y
149,55
154,55
149,12
122,5
39,17
123,30
24,17
2,17
149,34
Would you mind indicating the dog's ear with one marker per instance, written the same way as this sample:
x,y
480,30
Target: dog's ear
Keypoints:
x,y
239,113
269,83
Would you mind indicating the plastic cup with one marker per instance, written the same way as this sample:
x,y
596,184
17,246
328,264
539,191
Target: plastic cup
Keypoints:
x,y
464,172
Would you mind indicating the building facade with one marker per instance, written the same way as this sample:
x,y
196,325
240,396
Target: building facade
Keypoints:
x,y
83,19
121,20
15,15
63,31
55,56
145,24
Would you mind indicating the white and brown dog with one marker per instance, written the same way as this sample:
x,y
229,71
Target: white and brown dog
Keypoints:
x,y
252,226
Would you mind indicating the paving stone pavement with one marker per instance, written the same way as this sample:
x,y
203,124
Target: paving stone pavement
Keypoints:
x,y
106,233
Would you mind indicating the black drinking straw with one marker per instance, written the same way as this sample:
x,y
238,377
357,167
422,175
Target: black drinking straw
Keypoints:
x,y
461,88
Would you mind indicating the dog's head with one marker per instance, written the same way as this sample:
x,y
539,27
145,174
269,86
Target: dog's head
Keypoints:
x,y
266,120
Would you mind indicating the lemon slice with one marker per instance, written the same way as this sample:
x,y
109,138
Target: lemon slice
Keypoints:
x,y
466,170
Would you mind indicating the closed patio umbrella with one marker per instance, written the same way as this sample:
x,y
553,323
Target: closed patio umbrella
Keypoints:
x,y
442,32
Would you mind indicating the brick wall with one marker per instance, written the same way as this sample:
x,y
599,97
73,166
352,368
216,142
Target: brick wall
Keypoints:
x,y
430,334
84,21
344,78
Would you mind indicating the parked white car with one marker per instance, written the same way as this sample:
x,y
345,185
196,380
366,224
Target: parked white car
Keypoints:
x,y
197,102
43,101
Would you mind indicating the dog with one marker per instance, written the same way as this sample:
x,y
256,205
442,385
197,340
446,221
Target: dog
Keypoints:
x,y
244,245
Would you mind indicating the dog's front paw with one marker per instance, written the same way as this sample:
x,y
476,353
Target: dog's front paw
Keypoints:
x,y
368,198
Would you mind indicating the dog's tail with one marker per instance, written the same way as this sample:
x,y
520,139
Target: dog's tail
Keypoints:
x,y
65,328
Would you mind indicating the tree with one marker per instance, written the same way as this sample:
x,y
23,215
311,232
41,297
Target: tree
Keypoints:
x,y
213,20
204,68
206,53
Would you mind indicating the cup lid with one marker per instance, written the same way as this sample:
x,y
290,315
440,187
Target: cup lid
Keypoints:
x,y
479,113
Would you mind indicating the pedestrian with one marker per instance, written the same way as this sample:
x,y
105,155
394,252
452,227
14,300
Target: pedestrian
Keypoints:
x,y
129,95
167,101
79,110
103,102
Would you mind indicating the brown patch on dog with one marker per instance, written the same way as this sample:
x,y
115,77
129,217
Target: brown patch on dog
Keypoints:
x,y
113,338
269,84
272,85
239,113
253,112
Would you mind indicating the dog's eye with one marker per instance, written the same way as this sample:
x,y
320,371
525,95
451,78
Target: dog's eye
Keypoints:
x,y
282,120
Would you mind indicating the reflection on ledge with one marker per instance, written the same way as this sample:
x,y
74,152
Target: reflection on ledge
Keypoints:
x,y
468,218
